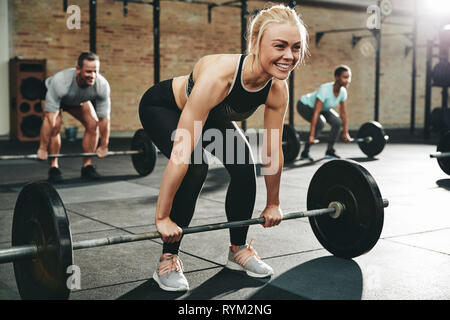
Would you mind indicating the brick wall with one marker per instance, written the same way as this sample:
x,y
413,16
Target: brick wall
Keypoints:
x,y
125,46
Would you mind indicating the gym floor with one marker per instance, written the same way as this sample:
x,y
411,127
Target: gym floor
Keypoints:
x,y
410,261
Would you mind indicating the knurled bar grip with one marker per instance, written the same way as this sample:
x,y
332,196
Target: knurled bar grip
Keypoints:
x,y
31,251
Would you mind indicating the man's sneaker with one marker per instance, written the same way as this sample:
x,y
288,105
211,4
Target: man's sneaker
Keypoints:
x,y
169,275
55,175
305,156
89,173
246,259
331,154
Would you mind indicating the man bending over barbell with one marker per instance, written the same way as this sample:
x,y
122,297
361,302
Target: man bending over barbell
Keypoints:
x,y
85,94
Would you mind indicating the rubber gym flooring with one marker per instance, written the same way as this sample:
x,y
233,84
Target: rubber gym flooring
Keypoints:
x,y
410,261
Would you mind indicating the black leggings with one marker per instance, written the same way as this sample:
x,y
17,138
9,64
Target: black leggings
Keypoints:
x,y
159,116
329,116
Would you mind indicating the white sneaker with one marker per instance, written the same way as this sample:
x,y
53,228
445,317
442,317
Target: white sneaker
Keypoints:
x,y
169,274
246,259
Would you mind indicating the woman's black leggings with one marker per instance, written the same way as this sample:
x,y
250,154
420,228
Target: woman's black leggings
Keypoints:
x,y
159,116
329,116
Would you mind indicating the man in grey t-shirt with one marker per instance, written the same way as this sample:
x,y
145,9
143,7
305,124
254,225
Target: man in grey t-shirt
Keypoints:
x,y
85,94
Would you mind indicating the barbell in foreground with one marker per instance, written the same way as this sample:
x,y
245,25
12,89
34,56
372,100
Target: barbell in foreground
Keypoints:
x,y
345,210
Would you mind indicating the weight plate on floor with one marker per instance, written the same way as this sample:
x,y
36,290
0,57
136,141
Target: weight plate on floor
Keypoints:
x,y
144,162
437,118
358,228
375,130
291,143
441,74
444,146
40,218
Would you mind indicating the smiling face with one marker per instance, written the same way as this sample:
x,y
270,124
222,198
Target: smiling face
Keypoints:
x,y
280,49
344,79
87,74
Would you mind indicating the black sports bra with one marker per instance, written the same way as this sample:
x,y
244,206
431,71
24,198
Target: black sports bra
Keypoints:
x,y
240,103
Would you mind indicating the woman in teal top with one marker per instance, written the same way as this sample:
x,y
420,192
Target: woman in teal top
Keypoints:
x,y
317,108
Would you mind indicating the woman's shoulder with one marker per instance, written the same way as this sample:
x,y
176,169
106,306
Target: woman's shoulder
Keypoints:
x,y
279,86
325,89
220,58
343,93
279,93
218,64
327,85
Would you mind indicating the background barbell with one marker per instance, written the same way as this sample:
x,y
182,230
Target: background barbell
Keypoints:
x,y
143,154
371,139
442,154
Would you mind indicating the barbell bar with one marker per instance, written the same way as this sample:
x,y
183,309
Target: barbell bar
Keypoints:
x,y
344,207
302,142
365,140
143,154
335,209
442,154
70,155
371,139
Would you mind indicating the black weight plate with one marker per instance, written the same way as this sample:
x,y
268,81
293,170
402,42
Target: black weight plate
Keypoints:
x,y
358,228
446,119
291,144
375,130
444,146
40,218
144,163
441,74
437,118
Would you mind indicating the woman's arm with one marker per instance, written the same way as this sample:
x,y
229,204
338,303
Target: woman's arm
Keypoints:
x,y
316,112
211,86
343,115
272,157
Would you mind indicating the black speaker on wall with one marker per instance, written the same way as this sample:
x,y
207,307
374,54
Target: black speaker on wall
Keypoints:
x,y
27,92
